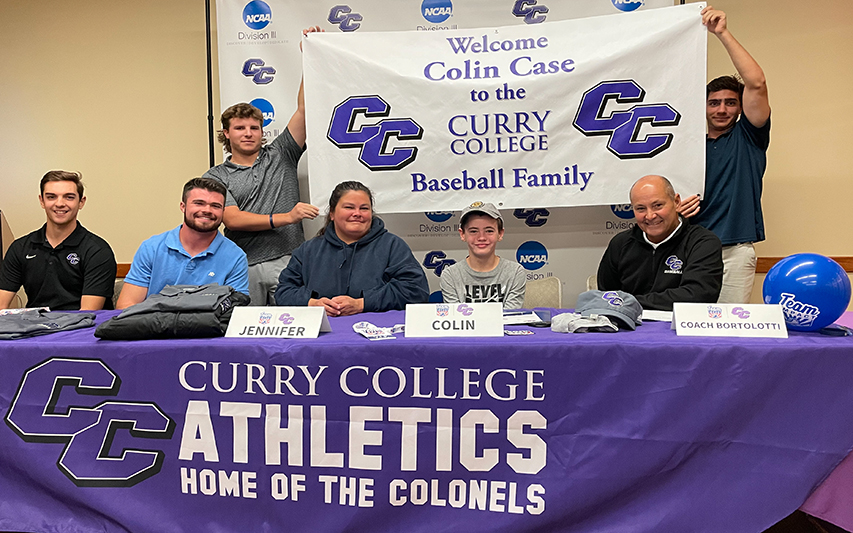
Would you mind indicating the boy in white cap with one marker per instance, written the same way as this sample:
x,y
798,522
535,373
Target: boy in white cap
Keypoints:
x,y
483,276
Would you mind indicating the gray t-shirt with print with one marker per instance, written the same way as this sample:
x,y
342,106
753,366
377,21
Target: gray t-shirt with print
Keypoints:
x,y
269,186
504,284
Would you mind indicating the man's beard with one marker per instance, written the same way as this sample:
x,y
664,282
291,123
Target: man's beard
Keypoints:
x,y
191,223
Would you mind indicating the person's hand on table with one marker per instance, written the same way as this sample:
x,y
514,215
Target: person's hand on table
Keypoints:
x,y
332,309
348,306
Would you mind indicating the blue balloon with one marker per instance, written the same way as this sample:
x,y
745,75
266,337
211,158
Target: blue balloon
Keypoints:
x,y
813,289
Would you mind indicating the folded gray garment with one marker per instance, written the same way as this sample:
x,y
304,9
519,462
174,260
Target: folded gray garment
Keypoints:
x,y
184,298
577,323
37,322
178,311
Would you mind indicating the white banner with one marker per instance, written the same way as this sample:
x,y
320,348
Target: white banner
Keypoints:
x,y
559,114
260,62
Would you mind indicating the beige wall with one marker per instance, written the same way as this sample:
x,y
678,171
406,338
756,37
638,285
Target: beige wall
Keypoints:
x,y
116,89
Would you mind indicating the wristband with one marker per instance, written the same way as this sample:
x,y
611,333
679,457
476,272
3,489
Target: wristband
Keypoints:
x,y
272,226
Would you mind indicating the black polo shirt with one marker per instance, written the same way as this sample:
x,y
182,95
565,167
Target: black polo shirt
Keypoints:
x,y
57,277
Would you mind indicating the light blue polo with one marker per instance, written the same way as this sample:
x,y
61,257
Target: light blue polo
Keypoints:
x,y
161,260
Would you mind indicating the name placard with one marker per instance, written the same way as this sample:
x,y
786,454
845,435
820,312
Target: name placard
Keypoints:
x,y
729,320
454,320
278,322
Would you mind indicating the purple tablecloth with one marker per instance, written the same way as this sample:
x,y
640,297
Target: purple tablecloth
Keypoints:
x,y
634,431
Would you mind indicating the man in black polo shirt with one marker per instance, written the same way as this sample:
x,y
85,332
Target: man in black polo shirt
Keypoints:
x,y
62,265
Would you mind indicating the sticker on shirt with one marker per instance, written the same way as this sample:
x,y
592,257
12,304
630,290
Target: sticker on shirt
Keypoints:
x,y
674,264
73,258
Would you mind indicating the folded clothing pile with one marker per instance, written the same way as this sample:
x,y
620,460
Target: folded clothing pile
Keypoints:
x,y
178,311
34,322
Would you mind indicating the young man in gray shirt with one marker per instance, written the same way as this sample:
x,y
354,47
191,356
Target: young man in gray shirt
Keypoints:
x,y
263,213
483,276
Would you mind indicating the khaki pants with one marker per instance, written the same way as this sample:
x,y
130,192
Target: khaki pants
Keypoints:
x,y
263,280
738,273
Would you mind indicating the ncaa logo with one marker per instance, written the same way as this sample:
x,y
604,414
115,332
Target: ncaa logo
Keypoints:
x,y
532,255
257,14
624,211
438,216
627,5
266,110
437,10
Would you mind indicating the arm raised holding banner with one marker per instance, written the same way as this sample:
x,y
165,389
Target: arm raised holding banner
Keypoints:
x,y
263,211
722,112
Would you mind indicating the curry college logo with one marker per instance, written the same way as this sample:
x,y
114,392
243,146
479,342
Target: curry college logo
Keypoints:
x,y
266,110
108,443
534,218
626,141
257,14
798,313
439,216
260,73
73,258
532,255
627,5
527,9
612,298
437,11
437,261
343,17
373,139
674,264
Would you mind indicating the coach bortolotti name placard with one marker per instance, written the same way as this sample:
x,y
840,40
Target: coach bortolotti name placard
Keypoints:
x,y
729,320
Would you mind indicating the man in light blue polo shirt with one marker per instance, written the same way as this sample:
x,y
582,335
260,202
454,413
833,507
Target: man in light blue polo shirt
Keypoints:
x,y
194,253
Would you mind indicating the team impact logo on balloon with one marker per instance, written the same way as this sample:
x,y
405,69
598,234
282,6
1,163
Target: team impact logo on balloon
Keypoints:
x,y
812,289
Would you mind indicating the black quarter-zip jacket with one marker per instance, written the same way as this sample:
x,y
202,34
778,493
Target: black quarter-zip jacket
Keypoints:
x,y
686,268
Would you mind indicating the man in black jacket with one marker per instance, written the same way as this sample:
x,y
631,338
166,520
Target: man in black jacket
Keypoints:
x,y
662,259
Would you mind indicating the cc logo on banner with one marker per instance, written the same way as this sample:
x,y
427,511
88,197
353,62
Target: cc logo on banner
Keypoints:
x,y
623,127
373,139
59,400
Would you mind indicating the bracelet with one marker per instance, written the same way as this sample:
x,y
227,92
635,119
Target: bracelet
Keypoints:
x,y
272,226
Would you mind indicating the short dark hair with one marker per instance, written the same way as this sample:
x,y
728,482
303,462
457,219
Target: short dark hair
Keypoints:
x,y
242,110
338,192
63,175
725,83
208,184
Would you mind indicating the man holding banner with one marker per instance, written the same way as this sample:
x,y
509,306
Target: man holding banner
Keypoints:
x,y
735,162
263,213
